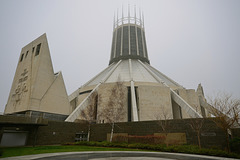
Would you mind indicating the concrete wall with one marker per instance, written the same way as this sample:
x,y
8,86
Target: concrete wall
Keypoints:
x,y
154,103
40,131
104,96
153,100
211,134
191,97
51,132
59,132
62,132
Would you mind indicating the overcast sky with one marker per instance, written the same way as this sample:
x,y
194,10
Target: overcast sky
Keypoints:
x,y
190,41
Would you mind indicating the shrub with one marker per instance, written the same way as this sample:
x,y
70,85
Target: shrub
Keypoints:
x,y
149,139
120,138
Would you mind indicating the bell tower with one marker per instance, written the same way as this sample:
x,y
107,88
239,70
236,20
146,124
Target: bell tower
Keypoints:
x,y
36,89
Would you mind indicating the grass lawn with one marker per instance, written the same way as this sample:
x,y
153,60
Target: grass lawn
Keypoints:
x,y
20,151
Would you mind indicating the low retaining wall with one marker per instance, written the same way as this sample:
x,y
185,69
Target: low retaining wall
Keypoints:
x,y
211,135
53,132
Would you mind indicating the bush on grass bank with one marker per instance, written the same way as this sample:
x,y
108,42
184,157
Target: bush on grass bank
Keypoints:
x,y
191,149
149,139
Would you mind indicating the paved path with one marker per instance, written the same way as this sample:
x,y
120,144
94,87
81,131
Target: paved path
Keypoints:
x,y
116,155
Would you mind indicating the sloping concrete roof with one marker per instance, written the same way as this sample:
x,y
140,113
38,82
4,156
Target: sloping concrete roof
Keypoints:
x,y
136,70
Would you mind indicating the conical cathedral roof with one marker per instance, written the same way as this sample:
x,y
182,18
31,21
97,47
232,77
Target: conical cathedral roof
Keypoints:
x,y
131,70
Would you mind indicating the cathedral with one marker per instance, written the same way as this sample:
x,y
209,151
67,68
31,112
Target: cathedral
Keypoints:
x,y
146,94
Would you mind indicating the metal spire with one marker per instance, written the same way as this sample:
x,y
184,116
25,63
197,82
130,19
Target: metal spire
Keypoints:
x,y
117,17
114,21
128,13
122,14
143,19
140,17
135,18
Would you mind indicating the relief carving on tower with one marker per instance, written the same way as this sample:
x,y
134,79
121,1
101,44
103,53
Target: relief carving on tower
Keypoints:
x,y
21,87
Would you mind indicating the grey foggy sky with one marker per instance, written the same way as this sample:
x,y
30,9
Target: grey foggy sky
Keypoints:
x,y
190,41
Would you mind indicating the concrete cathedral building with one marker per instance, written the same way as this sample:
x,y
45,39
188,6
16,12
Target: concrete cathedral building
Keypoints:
x,y
37,90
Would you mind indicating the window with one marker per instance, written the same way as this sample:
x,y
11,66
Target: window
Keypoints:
x,y
21,57
33,49
26,54
129,105
38,49
81,137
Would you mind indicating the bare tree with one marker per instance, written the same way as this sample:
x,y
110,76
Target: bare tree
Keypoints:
x,y
114,111
196,124
89,114
163,116
236,113
226,109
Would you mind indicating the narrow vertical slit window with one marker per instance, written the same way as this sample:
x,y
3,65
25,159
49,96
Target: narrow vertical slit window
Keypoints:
x,y
129,105
125,41
26,54
21,57
133,40
140,44
33,49
38,49
180,112
137,98
118,44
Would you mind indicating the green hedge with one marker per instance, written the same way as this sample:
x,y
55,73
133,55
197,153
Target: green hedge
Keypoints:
x,y
163,148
